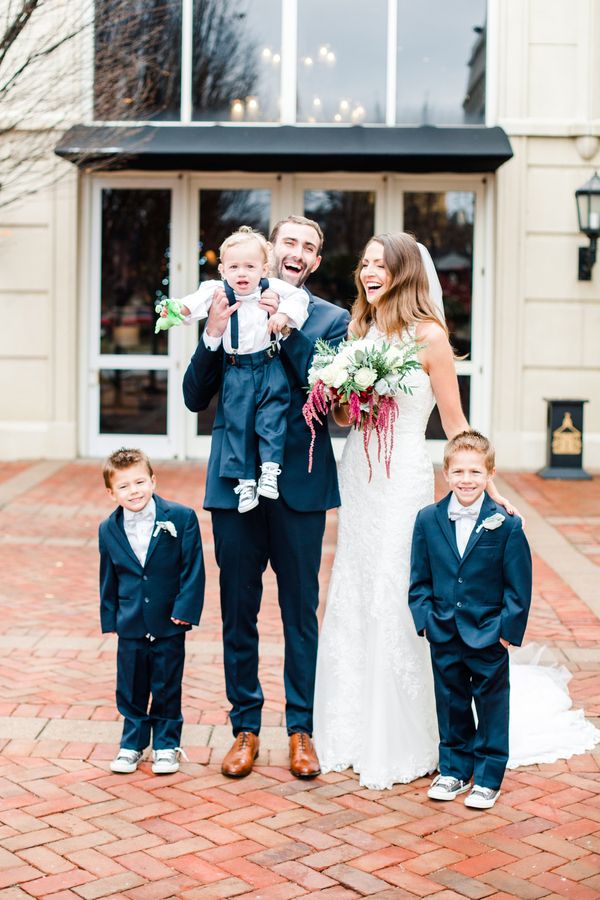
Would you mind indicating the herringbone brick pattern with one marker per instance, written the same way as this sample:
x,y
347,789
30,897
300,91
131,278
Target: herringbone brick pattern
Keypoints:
x,y
71,829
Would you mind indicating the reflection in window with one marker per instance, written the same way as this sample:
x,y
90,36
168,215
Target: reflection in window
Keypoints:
x,y
441,62
434,431
137,59
236,60
221,212
348,221
135,269
444,223
133,402
341,61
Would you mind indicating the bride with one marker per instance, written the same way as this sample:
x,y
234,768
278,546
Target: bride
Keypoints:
x,y
374,704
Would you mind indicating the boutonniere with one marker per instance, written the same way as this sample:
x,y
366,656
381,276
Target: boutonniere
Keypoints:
x,y
491,523
165,526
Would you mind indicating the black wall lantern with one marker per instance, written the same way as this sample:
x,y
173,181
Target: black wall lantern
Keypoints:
x,y
588,213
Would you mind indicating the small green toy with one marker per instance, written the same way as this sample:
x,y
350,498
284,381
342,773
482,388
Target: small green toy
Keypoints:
x,y
169,313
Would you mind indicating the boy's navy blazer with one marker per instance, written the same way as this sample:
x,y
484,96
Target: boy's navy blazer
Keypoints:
x,y
485,594
137,600
301,491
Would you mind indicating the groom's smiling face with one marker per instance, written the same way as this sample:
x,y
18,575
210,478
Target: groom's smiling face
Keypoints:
x,y
467,475
295,253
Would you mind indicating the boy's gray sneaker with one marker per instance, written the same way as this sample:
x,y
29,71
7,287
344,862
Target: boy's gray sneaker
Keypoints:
x,y
482,797
267,483
126,761
445,787
165,762
247,494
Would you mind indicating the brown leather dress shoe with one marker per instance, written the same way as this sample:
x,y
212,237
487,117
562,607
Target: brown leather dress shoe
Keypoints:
x,y
240,759
303,759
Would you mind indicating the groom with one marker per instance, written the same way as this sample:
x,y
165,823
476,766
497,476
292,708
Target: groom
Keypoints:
x,y
287,532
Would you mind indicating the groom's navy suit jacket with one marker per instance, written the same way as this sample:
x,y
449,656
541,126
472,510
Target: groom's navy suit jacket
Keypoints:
x,y
301,491
483,595
137,600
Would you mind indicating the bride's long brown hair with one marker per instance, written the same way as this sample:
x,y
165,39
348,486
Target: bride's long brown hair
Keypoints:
x,y
406,301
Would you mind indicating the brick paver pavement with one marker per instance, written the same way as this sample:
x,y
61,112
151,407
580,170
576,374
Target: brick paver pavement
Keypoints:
x,y
71,829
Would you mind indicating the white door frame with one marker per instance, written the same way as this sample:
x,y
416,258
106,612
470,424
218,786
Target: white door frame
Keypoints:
x,y
92,442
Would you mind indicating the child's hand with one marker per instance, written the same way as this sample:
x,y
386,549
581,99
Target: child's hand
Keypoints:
x,y
178,621
269,301
170,312
277,323
504,643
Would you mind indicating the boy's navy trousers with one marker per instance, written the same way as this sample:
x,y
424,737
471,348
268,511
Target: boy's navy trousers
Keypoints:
x,y
150,669
256,401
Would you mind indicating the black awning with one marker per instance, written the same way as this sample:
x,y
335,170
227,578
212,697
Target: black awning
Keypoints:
x,y
287,148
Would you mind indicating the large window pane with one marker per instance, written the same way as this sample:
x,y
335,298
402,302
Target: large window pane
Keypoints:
x,y
137,59
435,432
444,223
221,212
237,60
441,62
341,61
348,221
133,402
135,269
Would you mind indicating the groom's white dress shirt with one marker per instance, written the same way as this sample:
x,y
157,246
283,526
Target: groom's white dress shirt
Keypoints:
x,y
464,518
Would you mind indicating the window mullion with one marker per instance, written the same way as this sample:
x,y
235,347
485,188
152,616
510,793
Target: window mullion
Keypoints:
x,y
289,60
391,68
187,18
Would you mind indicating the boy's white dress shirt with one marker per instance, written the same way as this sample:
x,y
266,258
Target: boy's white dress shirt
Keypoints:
x,y
252,320
464,518
139,527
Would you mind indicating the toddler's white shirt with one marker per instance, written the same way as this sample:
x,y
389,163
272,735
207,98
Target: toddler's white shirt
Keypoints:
x,y
252,320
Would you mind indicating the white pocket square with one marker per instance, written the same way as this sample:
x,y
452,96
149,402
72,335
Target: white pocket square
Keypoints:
x,y
491,523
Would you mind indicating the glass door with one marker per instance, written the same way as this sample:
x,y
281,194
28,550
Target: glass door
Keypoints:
x,y
133,379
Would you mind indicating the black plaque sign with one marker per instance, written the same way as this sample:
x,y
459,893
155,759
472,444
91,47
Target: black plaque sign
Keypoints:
x,y
564,441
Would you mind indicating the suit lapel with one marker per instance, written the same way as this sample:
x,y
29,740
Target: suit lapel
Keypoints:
x,y
118,532
162,514
441,512
488,507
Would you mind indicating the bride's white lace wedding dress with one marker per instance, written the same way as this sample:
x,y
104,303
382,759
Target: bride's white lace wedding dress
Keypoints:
x,y
374,702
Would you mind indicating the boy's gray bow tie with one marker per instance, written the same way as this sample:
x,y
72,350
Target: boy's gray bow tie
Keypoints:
x,y
463,513
144,515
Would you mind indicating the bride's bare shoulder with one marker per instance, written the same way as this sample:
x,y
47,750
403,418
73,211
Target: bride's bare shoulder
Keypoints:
x,y
432,333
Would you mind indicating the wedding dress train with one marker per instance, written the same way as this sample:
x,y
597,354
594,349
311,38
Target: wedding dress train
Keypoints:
x,y
374,702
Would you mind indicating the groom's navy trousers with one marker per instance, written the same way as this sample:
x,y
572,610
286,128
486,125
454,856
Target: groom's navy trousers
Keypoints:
x,y
287,532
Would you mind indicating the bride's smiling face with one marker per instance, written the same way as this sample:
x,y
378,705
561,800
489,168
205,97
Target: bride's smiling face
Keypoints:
x,y
374,276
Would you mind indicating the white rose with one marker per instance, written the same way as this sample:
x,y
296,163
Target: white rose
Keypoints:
x,y
327,374
393,356
365,377
341,376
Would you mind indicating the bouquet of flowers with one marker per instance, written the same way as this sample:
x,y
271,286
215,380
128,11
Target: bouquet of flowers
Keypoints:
x,y
367,375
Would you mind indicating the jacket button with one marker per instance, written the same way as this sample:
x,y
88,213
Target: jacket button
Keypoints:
x,y
460,581
459,604
146,599
144,578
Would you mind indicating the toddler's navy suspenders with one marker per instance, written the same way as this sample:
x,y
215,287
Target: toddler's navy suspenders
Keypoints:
x,y
234,324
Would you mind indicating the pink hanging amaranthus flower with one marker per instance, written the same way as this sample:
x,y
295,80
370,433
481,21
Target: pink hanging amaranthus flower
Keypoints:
x,y
367,375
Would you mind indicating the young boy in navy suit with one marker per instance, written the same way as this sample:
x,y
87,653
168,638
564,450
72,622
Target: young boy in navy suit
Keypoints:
x,y
151,593
469,595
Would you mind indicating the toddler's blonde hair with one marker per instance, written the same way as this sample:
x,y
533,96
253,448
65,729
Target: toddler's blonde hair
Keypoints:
x,y
243,234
